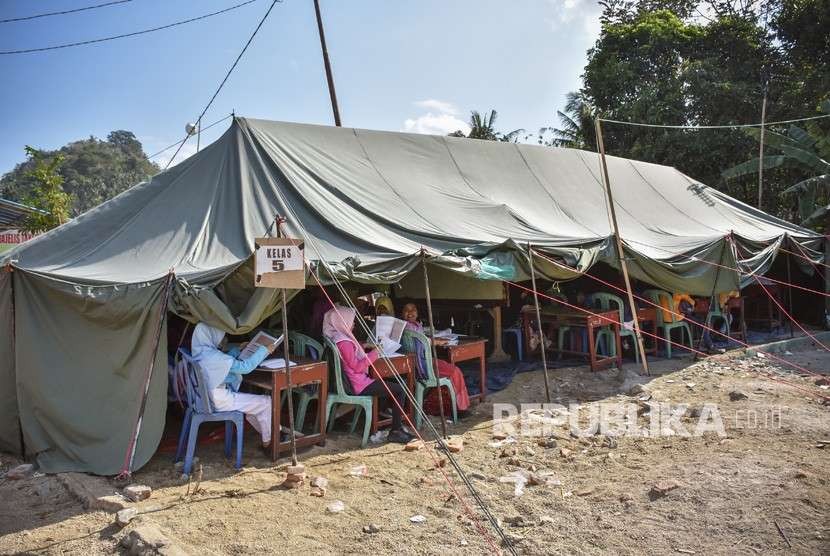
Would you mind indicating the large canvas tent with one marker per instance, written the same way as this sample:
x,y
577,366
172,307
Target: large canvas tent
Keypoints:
x,y
79,311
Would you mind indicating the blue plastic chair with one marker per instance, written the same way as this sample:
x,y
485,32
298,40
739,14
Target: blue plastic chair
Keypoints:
x,y
517,332
200,410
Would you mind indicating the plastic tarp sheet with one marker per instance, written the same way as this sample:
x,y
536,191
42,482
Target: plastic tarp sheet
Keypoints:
x,y
369,204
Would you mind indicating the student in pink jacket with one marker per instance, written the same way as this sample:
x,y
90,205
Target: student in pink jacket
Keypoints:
x,y
356,365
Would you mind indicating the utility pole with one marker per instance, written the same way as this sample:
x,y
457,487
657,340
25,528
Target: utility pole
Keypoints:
x,y
761,149
327,64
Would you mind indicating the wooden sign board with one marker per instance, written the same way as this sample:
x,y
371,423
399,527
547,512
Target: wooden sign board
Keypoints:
x,y
279,263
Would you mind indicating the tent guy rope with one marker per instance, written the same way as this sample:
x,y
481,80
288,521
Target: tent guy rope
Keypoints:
x,y
660,307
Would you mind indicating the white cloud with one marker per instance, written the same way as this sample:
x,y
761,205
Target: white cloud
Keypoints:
x,y
567,12
441,118
440,106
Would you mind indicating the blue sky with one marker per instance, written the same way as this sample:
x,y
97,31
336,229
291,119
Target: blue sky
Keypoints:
x,y
403,66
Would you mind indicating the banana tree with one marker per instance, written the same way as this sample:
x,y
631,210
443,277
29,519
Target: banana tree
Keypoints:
x,y
807,148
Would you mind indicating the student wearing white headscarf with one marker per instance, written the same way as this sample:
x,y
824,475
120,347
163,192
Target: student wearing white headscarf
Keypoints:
x,y
223,374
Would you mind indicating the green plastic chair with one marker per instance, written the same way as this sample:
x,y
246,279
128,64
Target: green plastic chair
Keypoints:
x,y
339,396
656,296
410,340
301,345
714,313
611,302
602,334
562,330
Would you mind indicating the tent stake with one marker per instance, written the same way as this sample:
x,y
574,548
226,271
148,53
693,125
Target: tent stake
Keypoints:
x,y
620,254
539,321
275,435
432,344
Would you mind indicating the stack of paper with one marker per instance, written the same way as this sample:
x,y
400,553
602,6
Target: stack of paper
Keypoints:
x,y
275,363
451,339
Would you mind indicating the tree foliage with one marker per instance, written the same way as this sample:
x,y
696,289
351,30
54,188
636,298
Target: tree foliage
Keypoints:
x,y
484,127
93,171
46,192
703,62
804,147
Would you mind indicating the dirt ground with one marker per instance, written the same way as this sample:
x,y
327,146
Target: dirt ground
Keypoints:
x,y
762,488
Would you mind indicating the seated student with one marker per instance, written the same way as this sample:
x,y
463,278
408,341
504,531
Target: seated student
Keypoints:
x,y
223,374
684,304
337,327
723,301
384,307
443,368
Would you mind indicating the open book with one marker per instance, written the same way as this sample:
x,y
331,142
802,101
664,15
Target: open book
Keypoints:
x,y
388,332
261,339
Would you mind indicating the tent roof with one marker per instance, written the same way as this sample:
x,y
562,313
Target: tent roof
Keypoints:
x,y
369,199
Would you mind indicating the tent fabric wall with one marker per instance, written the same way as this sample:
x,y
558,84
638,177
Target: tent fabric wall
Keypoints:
x,y
9,428
369,205
82,354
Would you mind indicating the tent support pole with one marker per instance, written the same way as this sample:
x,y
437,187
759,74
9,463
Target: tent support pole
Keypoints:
x,y
620,253
327,64
127,469
790,294
275,435
539,321
432,344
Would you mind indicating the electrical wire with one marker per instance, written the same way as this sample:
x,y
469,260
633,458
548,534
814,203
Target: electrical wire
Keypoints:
x,y
64,12
124,35
207,127
227,75
735,126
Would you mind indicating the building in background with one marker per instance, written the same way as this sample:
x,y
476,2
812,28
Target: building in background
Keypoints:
x,y
12,216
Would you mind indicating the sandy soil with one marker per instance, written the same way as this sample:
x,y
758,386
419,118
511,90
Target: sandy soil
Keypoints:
x,y
729,495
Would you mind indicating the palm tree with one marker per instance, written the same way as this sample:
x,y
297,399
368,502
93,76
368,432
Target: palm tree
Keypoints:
x,y
807,148
577,121
482,127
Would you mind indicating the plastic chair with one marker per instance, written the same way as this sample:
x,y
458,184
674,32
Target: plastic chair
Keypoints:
x,y
517,332
340,396
715,313
411,340
301,345
661,299
611,302
200,410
